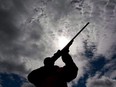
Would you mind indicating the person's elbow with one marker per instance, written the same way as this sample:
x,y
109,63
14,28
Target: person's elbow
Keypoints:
x,y
72,74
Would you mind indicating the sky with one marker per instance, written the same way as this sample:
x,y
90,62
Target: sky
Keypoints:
x,y
31,30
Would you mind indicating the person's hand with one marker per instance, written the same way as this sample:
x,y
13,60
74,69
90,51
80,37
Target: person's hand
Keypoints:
x,y
58,53
66,51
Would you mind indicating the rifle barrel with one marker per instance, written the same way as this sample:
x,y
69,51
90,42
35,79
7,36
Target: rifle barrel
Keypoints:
x,y
69,44
71,41
80,31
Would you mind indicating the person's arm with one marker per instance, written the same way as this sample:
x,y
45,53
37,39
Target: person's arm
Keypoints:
x,y
70,69
56,56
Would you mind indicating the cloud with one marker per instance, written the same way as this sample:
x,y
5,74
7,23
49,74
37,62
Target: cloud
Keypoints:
x,y
27,85
104,76
11,66
101,82
109,69
57,9
8,34
13,45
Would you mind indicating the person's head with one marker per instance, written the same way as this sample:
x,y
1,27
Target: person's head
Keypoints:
x,y
48,62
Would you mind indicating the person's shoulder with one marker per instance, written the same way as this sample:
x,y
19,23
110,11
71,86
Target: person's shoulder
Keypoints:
x,y
38,70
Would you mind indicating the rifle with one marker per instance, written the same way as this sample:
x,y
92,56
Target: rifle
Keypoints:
x,y
57,55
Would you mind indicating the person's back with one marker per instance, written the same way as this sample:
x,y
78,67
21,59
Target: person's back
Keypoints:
x,y
54,76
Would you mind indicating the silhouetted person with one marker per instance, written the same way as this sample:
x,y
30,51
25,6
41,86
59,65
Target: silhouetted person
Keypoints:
x,y
51,75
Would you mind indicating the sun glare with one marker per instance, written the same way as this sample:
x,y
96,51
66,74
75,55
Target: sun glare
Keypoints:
x,y
62,41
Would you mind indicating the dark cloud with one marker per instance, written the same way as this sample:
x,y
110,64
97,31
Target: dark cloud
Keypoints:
x,y
8,31
90,49
12,45
19,5
11,66
8,34
78,4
